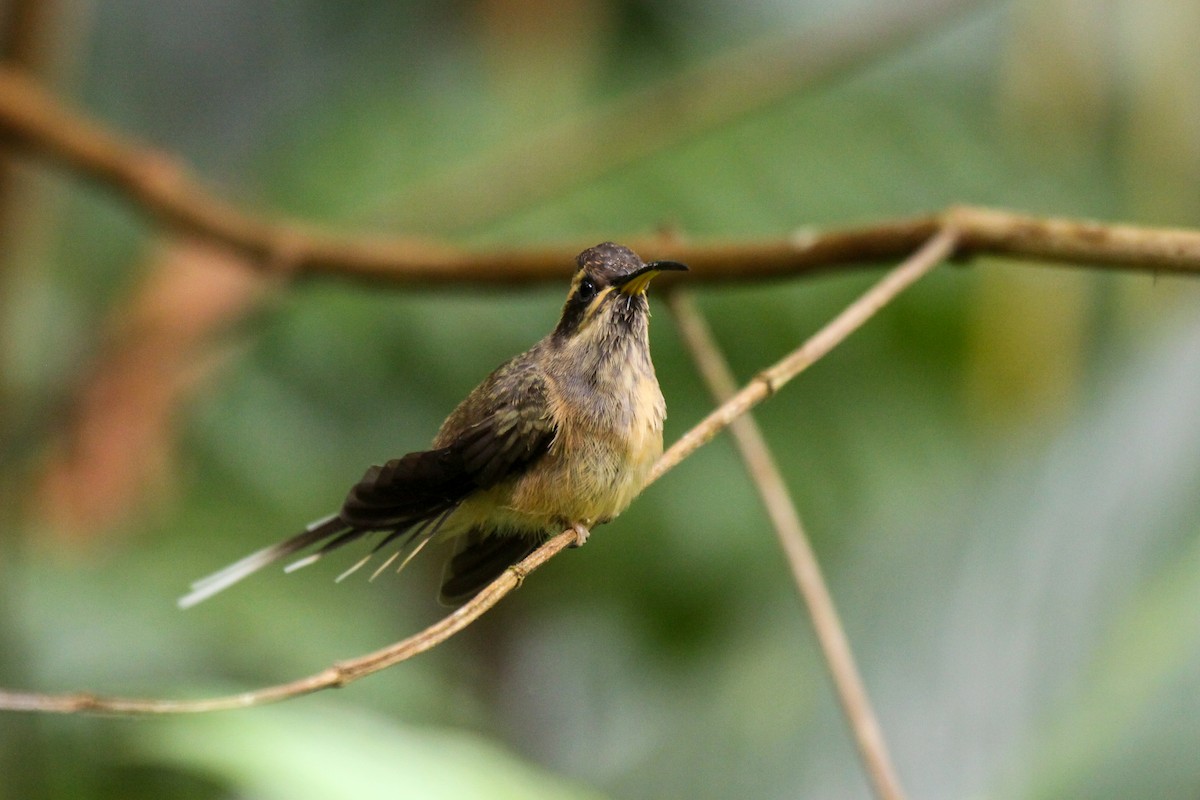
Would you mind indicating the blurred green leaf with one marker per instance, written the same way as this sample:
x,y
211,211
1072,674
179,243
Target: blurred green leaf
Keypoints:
x,y
324,752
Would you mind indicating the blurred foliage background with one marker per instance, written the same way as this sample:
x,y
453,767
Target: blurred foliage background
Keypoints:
x,y
1001,473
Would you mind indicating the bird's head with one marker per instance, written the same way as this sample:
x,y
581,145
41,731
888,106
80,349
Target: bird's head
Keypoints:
x,y
608,292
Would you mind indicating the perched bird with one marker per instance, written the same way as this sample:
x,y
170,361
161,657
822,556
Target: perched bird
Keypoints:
x,y
562,436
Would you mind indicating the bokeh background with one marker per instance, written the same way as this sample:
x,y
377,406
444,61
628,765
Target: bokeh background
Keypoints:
x,y
1001,473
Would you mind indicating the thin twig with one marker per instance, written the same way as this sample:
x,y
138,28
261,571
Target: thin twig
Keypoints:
x,y
340,674
806,570
32,120
770,380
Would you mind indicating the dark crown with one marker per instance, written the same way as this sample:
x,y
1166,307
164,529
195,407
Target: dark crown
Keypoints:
x,y
608,261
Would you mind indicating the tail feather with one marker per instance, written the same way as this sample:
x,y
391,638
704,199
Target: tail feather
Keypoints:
x,y
479,559
413,540
206,587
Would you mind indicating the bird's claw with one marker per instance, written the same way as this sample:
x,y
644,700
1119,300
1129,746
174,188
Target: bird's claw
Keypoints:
x,y
518,573
581,535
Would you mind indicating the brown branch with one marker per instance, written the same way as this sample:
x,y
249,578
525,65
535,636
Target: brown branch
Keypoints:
x,y
27,35
345,672
806,570
33,121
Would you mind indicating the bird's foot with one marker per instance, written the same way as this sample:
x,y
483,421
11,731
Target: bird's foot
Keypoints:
x,y
581,535
518,573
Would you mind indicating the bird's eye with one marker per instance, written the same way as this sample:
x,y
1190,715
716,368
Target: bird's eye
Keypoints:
x,y
587,289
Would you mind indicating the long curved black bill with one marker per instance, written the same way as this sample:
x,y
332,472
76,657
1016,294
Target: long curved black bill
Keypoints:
x,y
637,281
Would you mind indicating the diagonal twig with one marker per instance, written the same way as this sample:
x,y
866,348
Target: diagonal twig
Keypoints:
x,y
336,676
342,673
940,247
806,570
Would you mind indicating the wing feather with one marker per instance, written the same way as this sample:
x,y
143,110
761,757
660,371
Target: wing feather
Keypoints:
x,y
513,430
501,429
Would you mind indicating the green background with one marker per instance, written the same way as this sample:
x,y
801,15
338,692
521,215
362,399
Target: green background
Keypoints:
x,y
1000,473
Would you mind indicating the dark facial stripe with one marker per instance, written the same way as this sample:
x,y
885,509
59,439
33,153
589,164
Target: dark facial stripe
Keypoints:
x,y
572,315
581,306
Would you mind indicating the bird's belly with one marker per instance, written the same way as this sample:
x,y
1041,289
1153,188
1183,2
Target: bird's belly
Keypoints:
x,y
601,484
587,478
598,463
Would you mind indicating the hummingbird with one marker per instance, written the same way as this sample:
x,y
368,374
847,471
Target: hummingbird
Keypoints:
x,y
560,437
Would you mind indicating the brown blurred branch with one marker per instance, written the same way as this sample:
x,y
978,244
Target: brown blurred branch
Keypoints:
x,y
30,41
119,436
806,570
27,33
27,43
33,121
764,384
